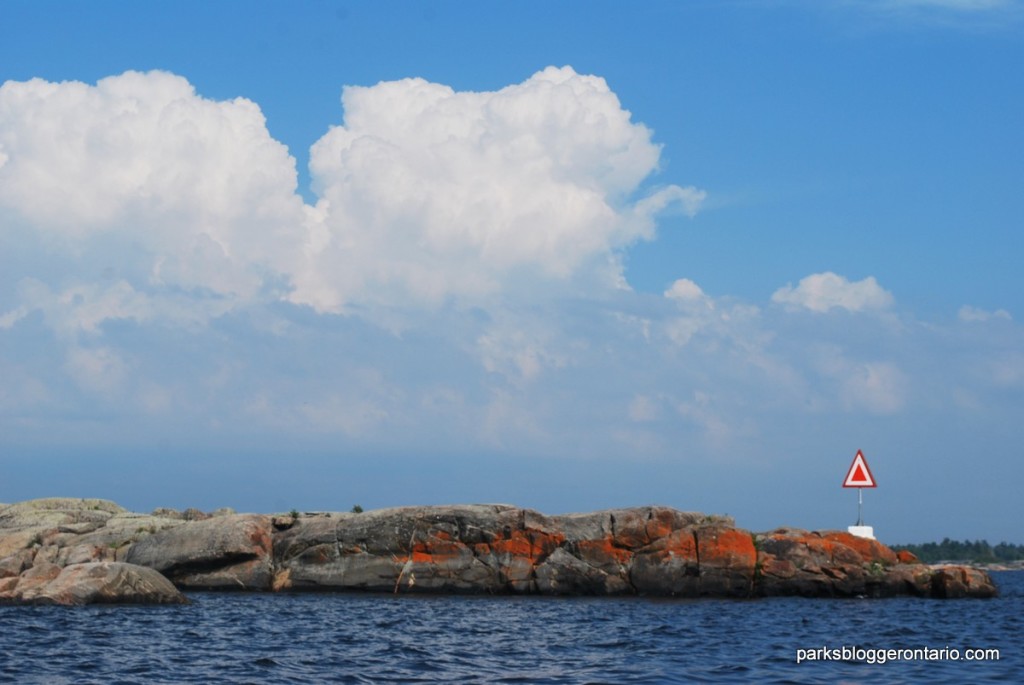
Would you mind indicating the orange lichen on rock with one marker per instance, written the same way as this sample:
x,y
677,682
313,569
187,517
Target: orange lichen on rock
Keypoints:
x,y
726,558
661,524
636,528
533,544
828,551
906,557
436,551
726,548
680,543
870,550
807,549
603,552
517,545
650,550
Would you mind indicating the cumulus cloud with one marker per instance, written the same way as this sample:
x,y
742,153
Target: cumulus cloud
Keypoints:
x,y
429,193
825,291
722,321
425,194
685,290
135,207
148,237
140,175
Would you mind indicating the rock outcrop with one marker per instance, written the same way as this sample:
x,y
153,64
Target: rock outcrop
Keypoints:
x,y
61,550
100,582
225,552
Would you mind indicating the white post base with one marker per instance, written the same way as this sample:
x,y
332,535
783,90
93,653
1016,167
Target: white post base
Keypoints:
x,y
862,532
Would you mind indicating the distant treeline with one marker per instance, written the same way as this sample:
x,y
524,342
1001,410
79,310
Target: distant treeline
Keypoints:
x,y
979,551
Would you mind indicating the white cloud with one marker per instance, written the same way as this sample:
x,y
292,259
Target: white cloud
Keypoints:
x,y
86,307
161,230
681,330
685,290
968,314
140,175
825,291
722,322
697,311
429,193
426,194
83,308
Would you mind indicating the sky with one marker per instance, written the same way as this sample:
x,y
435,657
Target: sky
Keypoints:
x,y
567,256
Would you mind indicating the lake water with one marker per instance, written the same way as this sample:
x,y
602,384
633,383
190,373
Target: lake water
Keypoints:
x,y
344,638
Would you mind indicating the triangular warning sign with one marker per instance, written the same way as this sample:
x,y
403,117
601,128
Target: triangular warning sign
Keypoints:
x,y
859,475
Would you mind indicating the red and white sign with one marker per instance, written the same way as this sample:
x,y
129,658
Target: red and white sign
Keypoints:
x,y
859,475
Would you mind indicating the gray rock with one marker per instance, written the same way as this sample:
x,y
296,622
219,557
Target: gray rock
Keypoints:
x,y
104,583
55,511
492,548
668,566
83,554
957,582
227,552
564,574
906,579
79,528
16,563
123,530
35,577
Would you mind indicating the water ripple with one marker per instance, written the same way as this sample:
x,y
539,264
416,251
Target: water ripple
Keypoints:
x,y
356,639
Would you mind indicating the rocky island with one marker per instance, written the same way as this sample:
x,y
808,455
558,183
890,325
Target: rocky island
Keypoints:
x,y
81,551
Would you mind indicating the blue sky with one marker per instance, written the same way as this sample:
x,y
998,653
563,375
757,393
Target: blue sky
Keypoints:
x,y
568,256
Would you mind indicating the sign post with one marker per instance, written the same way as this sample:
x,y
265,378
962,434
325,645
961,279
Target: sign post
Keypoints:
x,y
859,476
